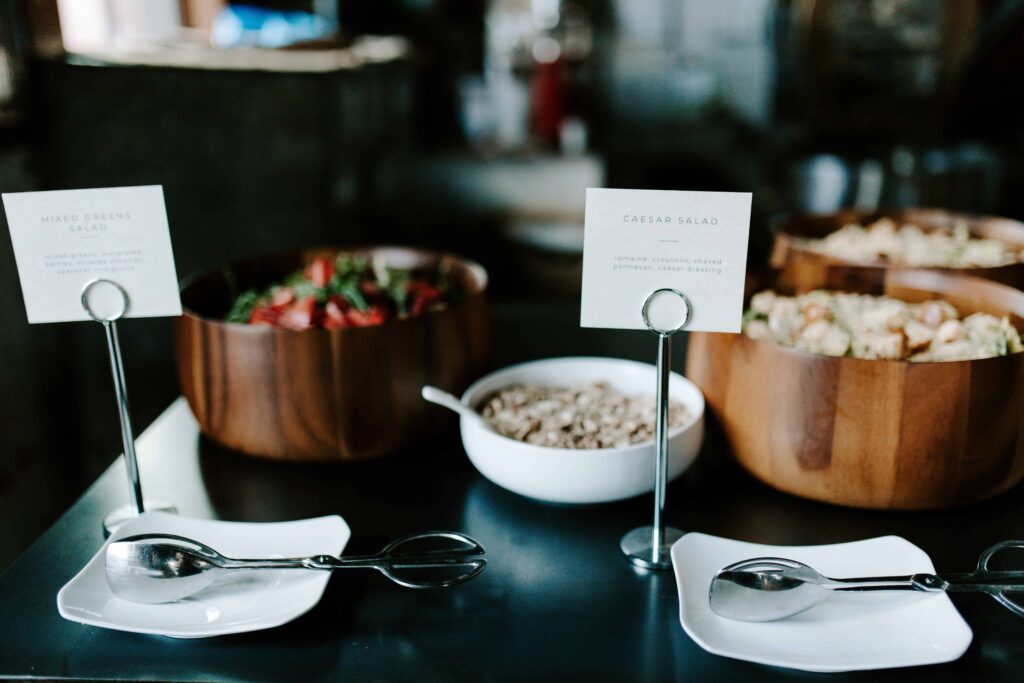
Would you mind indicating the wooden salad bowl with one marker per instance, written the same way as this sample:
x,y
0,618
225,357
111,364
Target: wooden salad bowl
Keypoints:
x,y
325,395
800,267
872,433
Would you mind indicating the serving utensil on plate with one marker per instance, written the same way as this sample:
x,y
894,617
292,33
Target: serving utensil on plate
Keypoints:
x,y
771,588
158,568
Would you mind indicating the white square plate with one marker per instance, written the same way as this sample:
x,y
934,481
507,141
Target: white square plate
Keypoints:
x,y
262,599
847,632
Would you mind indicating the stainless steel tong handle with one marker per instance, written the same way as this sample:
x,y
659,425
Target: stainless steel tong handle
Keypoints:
x,y
390,559
968,582
996,583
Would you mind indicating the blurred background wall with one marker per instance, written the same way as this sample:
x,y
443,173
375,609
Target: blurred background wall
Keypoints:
x,y
467,125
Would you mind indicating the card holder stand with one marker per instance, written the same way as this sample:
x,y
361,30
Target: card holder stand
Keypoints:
x,y
649,546
110,305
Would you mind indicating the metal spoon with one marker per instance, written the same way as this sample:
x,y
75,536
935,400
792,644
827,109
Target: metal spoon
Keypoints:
x,y
770,588
159,568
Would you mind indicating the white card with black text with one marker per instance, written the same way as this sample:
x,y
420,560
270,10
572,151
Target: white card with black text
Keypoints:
x,y
637,241
65,238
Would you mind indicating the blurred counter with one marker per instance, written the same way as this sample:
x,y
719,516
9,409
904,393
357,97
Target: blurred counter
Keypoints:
x,y
362,52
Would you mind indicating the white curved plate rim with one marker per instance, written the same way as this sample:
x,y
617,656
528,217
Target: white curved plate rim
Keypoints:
x,y
265,600
882,630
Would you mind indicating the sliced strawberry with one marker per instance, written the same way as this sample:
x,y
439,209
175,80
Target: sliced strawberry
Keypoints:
x,y
263,315
424,300
281,297
375,315
320,271
339,301
334,314
301,315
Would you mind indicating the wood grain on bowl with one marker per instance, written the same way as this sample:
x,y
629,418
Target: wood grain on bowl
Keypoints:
x,y
869,433
802,268
345,394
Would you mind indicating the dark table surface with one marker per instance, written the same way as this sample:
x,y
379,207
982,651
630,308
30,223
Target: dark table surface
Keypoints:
x,y
557,601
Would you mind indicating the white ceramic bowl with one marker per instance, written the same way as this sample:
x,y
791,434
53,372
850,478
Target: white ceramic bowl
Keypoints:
x,y
562,475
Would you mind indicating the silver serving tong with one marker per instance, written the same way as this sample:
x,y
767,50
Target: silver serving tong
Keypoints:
x,y
770,588
159,568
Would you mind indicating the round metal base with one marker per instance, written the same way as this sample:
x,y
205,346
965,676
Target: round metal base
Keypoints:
x,y
638,547
119,516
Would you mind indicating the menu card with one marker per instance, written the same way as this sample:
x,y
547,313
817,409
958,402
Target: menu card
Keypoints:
x,y
65,238
638,241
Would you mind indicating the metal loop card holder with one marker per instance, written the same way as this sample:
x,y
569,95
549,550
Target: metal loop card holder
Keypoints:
x,y
665,312
106,302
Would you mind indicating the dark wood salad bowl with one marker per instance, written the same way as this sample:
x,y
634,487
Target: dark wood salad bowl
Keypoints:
x,y
325,395
872,433
800,267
